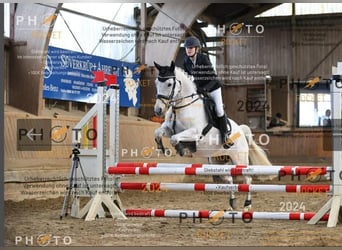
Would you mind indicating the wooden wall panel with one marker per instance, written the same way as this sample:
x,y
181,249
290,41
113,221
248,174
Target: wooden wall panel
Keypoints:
x,y
301,51
231,97
308,146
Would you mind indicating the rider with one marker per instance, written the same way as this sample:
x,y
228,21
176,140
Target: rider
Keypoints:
x,y
199,66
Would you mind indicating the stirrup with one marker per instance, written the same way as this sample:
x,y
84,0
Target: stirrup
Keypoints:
x,y
227,142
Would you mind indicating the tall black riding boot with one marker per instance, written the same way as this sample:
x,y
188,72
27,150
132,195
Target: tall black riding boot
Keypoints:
x,y
225,133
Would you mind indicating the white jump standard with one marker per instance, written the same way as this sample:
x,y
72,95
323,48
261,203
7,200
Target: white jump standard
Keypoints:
x,y
334,205
96,160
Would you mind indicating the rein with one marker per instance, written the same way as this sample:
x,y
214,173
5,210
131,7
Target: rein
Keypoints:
x,y
187,104
170,97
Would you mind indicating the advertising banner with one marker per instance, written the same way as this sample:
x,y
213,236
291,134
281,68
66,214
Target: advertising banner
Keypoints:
x,y
68,76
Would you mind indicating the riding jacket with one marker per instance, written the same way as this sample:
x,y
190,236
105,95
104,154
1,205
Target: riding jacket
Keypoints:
x,y
203,72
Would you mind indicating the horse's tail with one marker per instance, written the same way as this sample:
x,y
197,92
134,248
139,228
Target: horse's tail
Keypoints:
x,y
257,155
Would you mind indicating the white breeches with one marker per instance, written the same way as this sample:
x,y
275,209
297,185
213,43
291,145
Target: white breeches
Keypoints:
x,y
217,97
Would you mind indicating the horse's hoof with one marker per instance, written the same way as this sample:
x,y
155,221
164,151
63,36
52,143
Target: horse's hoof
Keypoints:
x,y
232,203
217,179
179,149
247,208
247,205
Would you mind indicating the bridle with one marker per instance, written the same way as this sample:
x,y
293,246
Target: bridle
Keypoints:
x,y
170,100
166,100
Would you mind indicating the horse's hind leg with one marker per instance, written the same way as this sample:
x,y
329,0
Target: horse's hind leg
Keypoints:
x,y
229,180
225,179
232,199
248,201
241,158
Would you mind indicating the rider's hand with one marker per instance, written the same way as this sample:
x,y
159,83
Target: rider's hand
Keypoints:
x,y
201,91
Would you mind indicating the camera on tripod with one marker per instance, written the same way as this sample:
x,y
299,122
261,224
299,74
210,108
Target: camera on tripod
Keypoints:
x,y
73,185
76,151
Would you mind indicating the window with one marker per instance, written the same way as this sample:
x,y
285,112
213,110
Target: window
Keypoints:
x,y
7,20
86,34
314,108
285,9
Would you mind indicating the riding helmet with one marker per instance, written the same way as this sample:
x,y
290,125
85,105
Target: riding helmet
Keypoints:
x,y
192,41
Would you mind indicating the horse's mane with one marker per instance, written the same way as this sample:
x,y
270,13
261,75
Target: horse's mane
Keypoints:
x,y
182,73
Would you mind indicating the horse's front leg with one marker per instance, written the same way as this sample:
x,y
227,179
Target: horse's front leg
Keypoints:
x,y
165,130
187,135
159,133
185,141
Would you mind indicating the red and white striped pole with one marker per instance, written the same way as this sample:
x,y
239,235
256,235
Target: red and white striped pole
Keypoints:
x,y
140,168
164,187
245,216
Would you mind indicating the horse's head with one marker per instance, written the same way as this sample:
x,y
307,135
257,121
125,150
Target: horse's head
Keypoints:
x,y
167,88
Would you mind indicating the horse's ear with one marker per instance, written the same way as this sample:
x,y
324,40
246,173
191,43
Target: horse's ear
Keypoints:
x,y
157,65
172,66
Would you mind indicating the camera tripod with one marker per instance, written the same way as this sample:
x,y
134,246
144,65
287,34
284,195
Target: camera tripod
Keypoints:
x,y
72,184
